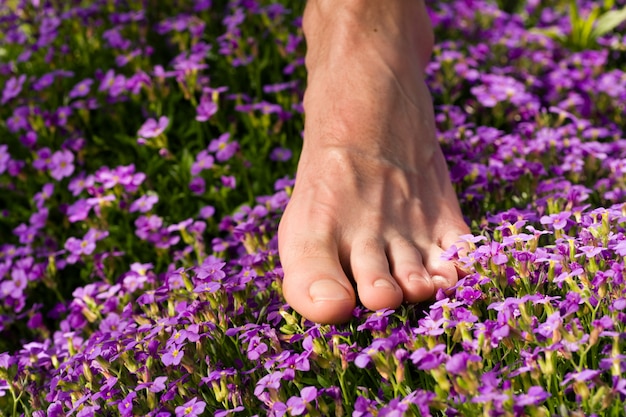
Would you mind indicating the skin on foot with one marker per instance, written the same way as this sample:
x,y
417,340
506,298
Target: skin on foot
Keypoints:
x,y
373,208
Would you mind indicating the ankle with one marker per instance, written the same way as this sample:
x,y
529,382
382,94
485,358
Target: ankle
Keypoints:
x,y
395,32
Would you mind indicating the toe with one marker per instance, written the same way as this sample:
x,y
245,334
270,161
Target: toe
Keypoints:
x,y
370,268
407,268
443,273
314,283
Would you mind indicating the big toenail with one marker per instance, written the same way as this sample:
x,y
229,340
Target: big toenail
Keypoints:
x,y
327,290
384,283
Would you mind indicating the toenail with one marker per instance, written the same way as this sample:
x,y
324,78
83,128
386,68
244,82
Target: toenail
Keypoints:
x,y
440,282
384,283
418,278
327,290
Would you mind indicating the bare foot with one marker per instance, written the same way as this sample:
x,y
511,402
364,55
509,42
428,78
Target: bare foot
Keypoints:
x,y
373,205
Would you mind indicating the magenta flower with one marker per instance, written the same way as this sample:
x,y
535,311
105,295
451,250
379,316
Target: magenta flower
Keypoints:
x,y
78,211
429,359
256,348
228,181
114,84
205,110
12,88
44,194
457,364
173,356
125,407
535,396
81,89
207,212
144,203
79,183
558,221
151,128
298,404
582,376
552,324
197,185
223,149
29,139
5,157
77,247
280,154
61,164
43,160
203,161
191,408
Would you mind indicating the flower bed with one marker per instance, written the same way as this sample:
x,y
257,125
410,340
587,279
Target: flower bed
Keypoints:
x,y
147,152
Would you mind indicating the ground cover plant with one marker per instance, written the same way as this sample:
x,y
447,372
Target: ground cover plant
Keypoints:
x,y
147,150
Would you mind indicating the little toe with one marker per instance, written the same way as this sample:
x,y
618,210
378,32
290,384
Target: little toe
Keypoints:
x,y
407,268
376,287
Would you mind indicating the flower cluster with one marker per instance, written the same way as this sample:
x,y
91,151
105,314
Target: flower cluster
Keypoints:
x,y
149,154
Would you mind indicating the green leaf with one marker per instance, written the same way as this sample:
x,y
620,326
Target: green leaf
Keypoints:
x,y
608,21
586,28
552,32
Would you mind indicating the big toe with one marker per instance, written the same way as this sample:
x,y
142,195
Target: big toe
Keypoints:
x,y
317,288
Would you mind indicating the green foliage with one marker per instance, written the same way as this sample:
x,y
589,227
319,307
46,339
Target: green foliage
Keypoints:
x,y
587,28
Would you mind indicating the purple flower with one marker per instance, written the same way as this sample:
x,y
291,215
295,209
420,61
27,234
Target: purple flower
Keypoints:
x,y
428,359
535,396
493,251
197,185
144,203
223,149
298,404
43,160
78,211
256,348
551,325
620,248
29,139
77,247
158,384
173,355
582,376
457,364
228,181
205,109
203,161
5,157
280,154
558,221
61,164
207,212
114,84
12,88
378,320
125,407
191,408
81,89
271,381
151,128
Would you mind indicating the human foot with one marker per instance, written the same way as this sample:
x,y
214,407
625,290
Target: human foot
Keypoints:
x,y
373,204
